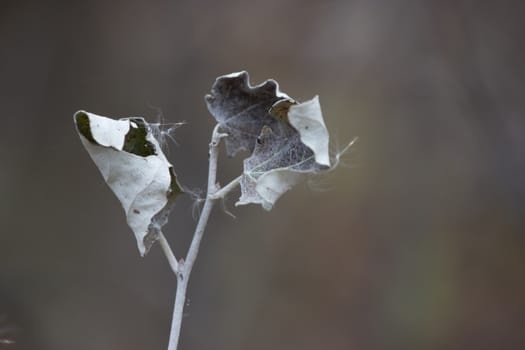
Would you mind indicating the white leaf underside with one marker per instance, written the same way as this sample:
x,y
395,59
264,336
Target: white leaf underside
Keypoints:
x,y
144,185
307,119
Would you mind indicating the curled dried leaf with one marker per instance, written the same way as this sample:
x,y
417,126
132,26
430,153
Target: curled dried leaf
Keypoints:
x,y
132,163
281,158
286,139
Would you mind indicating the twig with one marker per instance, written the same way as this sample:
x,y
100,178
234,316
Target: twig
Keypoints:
x,y
185,267
172,260
219,194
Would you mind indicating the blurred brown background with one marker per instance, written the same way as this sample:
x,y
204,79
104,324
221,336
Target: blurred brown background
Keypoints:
x,y
418,243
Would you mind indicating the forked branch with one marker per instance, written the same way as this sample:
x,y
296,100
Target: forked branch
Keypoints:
x,y
183,268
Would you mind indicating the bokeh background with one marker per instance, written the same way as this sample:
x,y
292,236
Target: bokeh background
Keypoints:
x,y
417,242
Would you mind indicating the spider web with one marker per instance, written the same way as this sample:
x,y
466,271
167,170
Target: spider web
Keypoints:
x,y
276,149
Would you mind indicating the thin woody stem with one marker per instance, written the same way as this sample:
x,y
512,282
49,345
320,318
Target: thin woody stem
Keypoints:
x,y
219,194
185,267
172,260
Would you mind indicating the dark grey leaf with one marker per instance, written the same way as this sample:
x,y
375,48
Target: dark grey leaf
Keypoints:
x,y
241,109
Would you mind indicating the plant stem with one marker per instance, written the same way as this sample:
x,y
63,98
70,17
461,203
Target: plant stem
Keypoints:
x,y
226,189
172,260
178,311
185,266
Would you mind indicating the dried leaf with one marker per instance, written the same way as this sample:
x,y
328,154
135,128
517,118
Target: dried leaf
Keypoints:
x,y
285,152
241,109
134,167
